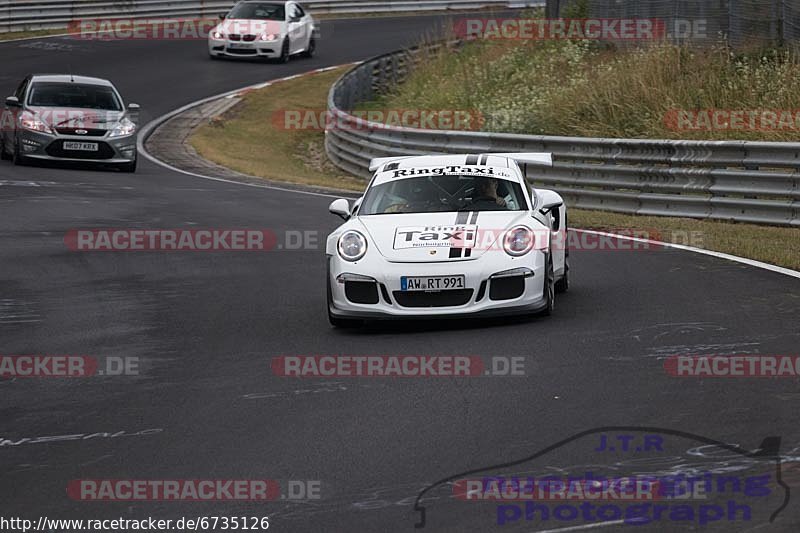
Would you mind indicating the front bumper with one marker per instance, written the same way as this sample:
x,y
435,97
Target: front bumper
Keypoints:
x,y
485,294
49,147
241,49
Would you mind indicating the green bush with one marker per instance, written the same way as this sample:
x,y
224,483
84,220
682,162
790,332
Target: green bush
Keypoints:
x,y
583,89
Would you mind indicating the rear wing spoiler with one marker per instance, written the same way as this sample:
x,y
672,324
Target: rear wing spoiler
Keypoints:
x,y
531,158
544,159
378,162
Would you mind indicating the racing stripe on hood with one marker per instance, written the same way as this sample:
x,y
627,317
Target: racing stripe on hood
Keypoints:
x,y
461,218
472,220
472,160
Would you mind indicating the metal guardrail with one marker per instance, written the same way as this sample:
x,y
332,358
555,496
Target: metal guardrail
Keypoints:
x,y
22,15
744,181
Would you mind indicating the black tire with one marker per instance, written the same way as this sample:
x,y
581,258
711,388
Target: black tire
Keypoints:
x,y
312,47
562,285
18,158
549,291
3,154
284,57
128,167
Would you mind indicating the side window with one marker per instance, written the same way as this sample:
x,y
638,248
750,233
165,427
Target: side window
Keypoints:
x,y
20,94
296,12
299,10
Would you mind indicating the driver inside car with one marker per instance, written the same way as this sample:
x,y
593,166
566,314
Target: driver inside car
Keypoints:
x,y
416,194
486,194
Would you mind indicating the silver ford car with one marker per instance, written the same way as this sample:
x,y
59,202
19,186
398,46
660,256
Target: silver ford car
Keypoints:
x,y
68,118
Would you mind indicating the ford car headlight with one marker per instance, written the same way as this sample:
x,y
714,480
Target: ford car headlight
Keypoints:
x,y
352,246
123,128
29,121
518,241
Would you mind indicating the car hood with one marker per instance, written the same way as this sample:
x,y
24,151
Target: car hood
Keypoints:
x,y
252,27
66,117
438,237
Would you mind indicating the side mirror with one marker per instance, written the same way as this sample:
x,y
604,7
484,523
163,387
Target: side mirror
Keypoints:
x,y
134,107
12,101
549,206
223,16
340,208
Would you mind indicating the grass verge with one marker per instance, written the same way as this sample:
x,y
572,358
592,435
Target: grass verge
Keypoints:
x,y
30,34
246,140
579,88
774,245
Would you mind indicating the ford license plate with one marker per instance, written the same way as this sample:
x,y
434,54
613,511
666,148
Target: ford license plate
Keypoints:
x,y
82,147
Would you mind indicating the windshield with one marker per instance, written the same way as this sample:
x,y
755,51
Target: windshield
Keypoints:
x,y
258,11
48,94
432,194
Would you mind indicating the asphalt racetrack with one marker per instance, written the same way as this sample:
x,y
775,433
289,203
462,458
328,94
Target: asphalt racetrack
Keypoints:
x,y
205,403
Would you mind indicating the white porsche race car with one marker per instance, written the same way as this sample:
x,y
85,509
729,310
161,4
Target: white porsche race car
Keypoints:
x,y
447,236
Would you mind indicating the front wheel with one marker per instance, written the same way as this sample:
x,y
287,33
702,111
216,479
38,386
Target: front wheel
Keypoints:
x,y
562,285
284,57
312,47
549,290
3,154
128,167
17,157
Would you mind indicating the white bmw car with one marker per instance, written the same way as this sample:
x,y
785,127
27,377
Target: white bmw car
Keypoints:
x,y
257,29
447,236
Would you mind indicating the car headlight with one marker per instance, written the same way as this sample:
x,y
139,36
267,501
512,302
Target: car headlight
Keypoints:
x,y
269,37
29,121
518,241
123,128
217,35
352,246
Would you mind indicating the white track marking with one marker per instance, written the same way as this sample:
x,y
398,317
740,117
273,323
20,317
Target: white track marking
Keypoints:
x,y
720,255
153,124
